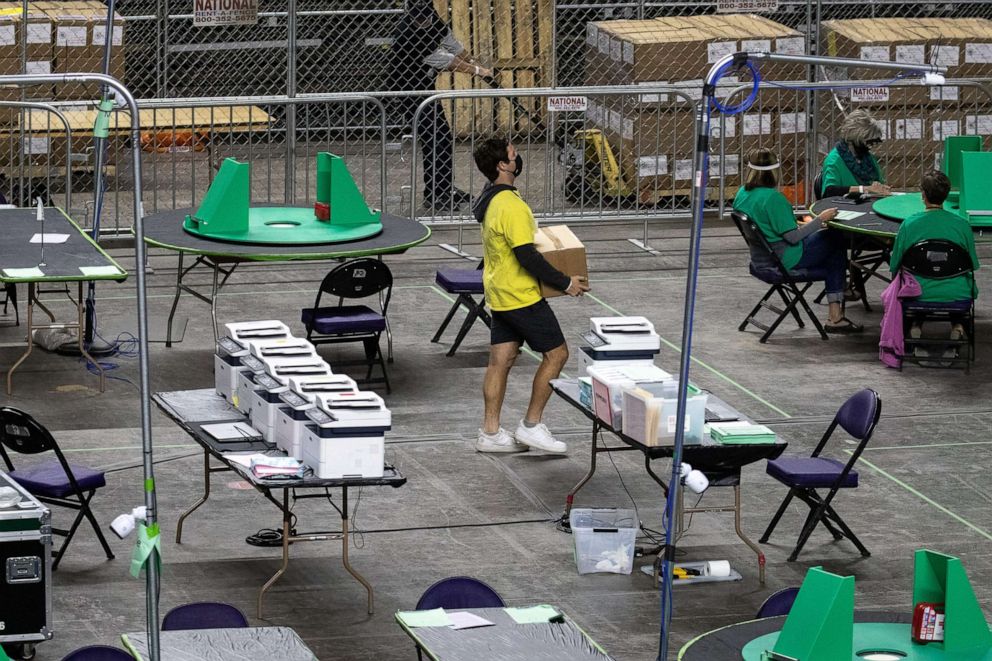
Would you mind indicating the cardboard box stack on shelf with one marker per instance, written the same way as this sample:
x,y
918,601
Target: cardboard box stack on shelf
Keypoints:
x,y
653,135
915,120
62,37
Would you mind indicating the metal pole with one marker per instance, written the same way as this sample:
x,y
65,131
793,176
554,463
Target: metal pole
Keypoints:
x,y
701,164
100,150
290,188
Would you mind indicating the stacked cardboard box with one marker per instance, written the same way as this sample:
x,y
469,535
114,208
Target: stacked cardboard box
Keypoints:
x,y
61,37
654,134
915,120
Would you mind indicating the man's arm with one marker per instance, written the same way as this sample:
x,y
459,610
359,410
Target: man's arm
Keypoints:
x,y
451,56
535,264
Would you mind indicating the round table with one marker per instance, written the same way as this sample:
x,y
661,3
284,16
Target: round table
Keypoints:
x,y
881,217
165,230
728,643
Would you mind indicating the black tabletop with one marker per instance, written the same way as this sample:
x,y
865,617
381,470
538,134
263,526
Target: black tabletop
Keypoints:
x,y
870,223
165,230
78,257
726,644
507,640
708,456
191,409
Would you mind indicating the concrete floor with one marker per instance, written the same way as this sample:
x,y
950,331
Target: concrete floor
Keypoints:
x,y
923,477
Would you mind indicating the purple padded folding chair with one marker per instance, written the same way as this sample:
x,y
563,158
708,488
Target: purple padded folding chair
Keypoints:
x,y
779,603
359,278
804,475
98,653
54,482
204,615
466,284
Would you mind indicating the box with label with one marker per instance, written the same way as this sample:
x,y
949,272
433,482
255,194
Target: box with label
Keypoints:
x,y
79,37
963,45
39,38
564,251
682,48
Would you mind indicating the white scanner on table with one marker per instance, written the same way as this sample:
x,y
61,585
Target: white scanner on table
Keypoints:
x,y
348,413
623,334
291,419
265,388
231,349
257,330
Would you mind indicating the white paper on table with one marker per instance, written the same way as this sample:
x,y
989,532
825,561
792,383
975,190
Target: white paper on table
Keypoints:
x,y
100,270
30,272
245,459
49,238
846,214
463,620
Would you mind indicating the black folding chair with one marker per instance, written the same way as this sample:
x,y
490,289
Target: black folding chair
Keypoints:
x,y
360,278
466,284
939,259
53,482
804,475
766,266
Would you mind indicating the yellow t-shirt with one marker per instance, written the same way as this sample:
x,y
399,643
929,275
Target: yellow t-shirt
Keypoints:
x,y
508,223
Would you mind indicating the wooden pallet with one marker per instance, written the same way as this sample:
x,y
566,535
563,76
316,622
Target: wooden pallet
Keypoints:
x,y
516,37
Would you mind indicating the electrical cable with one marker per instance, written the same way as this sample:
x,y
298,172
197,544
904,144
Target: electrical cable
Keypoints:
x,y
752,95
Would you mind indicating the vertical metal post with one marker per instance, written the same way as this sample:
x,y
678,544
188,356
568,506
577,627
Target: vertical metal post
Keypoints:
x,y
291,107
161,46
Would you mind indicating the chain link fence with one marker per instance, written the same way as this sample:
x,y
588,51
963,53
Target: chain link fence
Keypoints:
x,y
624,155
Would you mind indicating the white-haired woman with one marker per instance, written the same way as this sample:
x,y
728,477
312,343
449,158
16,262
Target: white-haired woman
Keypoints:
x,y
850,167
811,245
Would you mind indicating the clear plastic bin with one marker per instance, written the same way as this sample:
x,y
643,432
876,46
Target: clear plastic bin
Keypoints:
x,y
604,540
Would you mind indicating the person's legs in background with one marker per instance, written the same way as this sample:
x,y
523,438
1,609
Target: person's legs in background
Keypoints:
x,y
492,437
436,144
827,249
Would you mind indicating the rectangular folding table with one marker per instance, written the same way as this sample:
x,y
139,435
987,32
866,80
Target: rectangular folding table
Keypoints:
x,y
222,645
191,409
720,463
507,639
66,254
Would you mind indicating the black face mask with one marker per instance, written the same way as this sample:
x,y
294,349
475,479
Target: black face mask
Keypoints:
x,y
519,166
861,149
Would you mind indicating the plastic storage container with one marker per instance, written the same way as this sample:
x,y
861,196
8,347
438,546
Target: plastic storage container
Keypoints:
x,y
604,540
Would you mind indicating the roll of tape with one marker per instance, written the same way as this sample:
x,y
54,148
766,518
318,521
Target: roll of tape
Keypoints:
x,y
716,568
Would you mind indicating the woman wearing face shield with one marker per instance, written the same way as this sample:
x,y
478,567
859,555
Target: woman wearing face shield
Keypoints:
x,y
850,167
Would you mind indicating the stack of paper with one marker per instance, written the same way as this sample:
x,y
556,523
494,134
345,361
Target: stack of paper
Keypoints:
x,y
270,467
741,433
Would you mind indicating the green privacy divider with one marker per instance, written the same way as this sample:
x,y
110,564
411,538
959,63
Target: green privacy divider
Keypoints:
x,y
820,626
941,579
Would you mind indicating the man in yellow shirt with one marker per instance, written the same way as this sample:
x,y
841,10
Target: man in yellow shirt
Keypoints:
x,y
511,275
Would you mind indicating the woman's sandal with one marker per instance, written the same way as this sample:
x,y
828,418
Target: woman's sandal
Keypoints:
x,y
843,327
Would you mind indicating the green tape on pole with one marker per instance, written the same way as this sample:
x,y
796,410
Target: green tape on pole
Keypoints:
x,y
149,485
101,125
149,541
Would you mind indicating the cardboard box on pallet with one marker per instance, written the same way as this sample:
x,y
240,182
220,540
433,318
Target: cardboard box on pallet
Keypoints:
x,y
80,35
963,45
684,48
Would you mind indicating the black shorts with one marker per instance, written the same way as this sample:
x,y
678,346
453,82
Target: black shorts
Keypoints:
x,y
535,324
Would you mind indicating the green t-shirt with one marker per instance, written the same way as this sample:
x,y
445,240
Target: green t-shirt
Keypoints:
x,y
937,224
836,172
772,213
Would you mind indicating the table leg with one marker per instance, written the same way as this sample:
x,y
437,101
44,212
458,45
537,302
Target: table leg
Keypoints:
x,y
344,549
744,538
199,503
81,308
655,476
27,352
175,301
286,517
215,289
570,498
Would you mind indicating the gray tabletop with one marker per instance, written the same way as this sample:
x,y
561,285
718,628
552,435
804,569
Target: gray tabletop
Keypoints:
x,y
248,644
507,640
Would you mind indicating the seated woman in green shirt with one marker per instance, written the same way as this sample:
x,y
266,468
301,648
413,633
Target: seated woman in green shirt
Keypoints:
x,y
799,246
850,167
936,223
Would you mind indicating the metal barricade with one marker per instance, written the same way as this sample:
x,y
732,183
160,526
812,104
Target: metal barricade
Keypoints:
x,y
27,154
590,154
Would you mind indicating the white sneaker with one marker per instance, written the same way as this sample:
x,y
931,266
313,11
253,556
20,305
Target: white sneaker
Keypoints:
x,y
539,437
501,441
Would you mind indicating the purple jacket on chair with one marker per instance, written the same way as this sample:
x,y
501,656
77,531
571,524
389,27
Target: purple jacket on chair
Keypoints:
x,y
890,344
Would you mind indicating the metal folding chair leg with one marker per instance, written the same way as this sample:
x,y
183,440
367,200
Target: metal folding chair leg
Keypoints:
x,y
778,515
